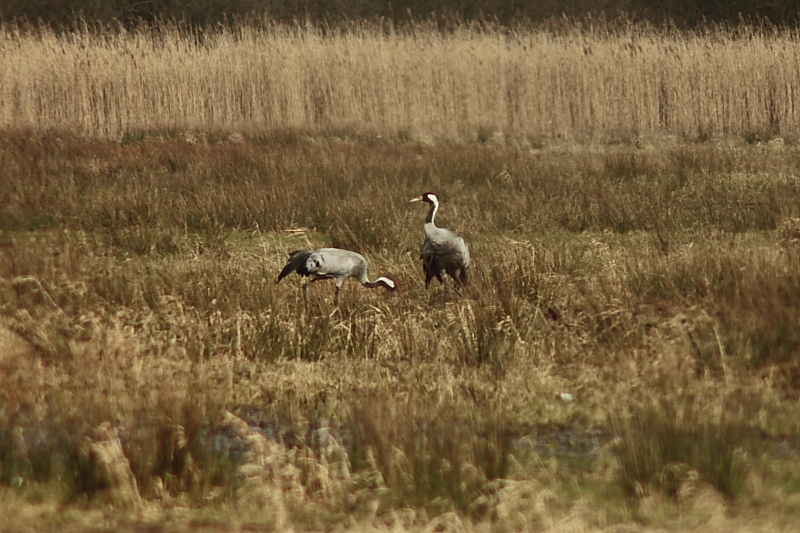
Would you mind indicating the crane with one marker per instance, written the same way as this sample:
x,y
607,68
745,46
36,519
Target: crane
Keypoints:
x,y
331,263
444,251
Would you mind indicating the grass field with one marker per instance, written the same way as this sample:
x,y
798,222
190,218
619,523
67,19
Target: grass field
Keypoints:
x,y
625,356
656,285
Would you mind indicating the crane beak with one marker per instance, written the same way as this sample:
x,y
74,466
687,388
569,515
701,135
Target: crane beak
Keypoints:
x,y
417,199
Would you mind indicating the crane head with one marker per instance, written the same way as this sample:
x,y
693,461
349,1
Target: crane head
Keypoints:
x,y
387,283
428,197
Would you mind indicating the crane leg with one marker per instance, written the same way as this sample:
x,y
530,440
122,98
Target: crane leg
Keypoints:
x,y
336,296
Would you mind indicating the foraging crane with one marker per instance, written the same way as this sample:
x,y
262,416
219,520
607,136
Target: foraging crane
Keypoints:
x,y
443,251
331,263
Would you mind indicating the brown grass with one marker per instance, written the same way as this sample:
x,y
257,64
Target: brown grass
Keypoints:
x,y
655,284
626,354
476,84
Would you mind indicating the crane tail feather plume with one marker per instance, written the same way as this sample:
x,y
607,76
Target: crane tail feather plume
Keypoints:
x,y
297,262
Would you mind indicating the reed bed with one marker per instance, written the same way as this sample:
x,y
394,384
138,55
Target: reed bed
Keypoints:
x,y
472,83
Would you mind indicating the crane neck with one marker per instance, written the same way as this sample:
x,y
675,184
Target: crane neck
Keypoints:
x,y
432,213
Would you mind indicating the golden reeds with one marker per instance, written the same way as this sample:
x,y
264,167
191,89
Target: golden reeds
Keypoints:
x,y
465,85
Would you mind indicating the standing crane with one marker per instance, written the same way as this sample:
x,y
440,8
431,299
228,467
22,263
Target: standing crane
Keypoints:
x,y
331,263
443,251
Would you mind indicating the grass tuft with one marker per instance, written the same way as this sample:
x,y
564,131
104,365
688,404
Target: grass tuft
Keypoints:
x,y
669,446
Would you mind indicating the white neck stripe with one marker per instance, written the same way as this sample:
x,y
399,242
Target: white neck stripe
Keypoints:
x,y
435,203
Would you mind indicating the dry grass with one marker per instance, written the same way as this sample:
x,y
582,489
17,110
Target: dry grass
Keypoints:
x,y
477,84
656,285
626,354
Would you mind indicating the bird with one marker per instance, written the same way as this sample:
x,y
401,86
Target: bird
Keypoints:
x,y
331,263
443,251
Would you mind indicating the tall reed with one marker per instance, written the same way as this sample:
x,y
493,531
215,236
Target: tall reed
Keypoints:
x,y
476,84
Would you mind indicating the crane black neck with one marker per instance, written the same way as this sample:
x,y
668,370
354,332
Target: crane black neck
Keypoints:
x,y
432,211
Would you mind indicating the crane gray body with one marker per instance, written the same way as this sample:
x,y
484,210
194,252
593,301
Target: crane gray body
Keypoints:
x,y
331,263
444,252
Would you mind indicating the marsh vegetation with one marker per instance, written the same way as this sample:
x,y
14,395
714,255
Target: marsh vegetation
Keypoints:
x,y
480,83
625,354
